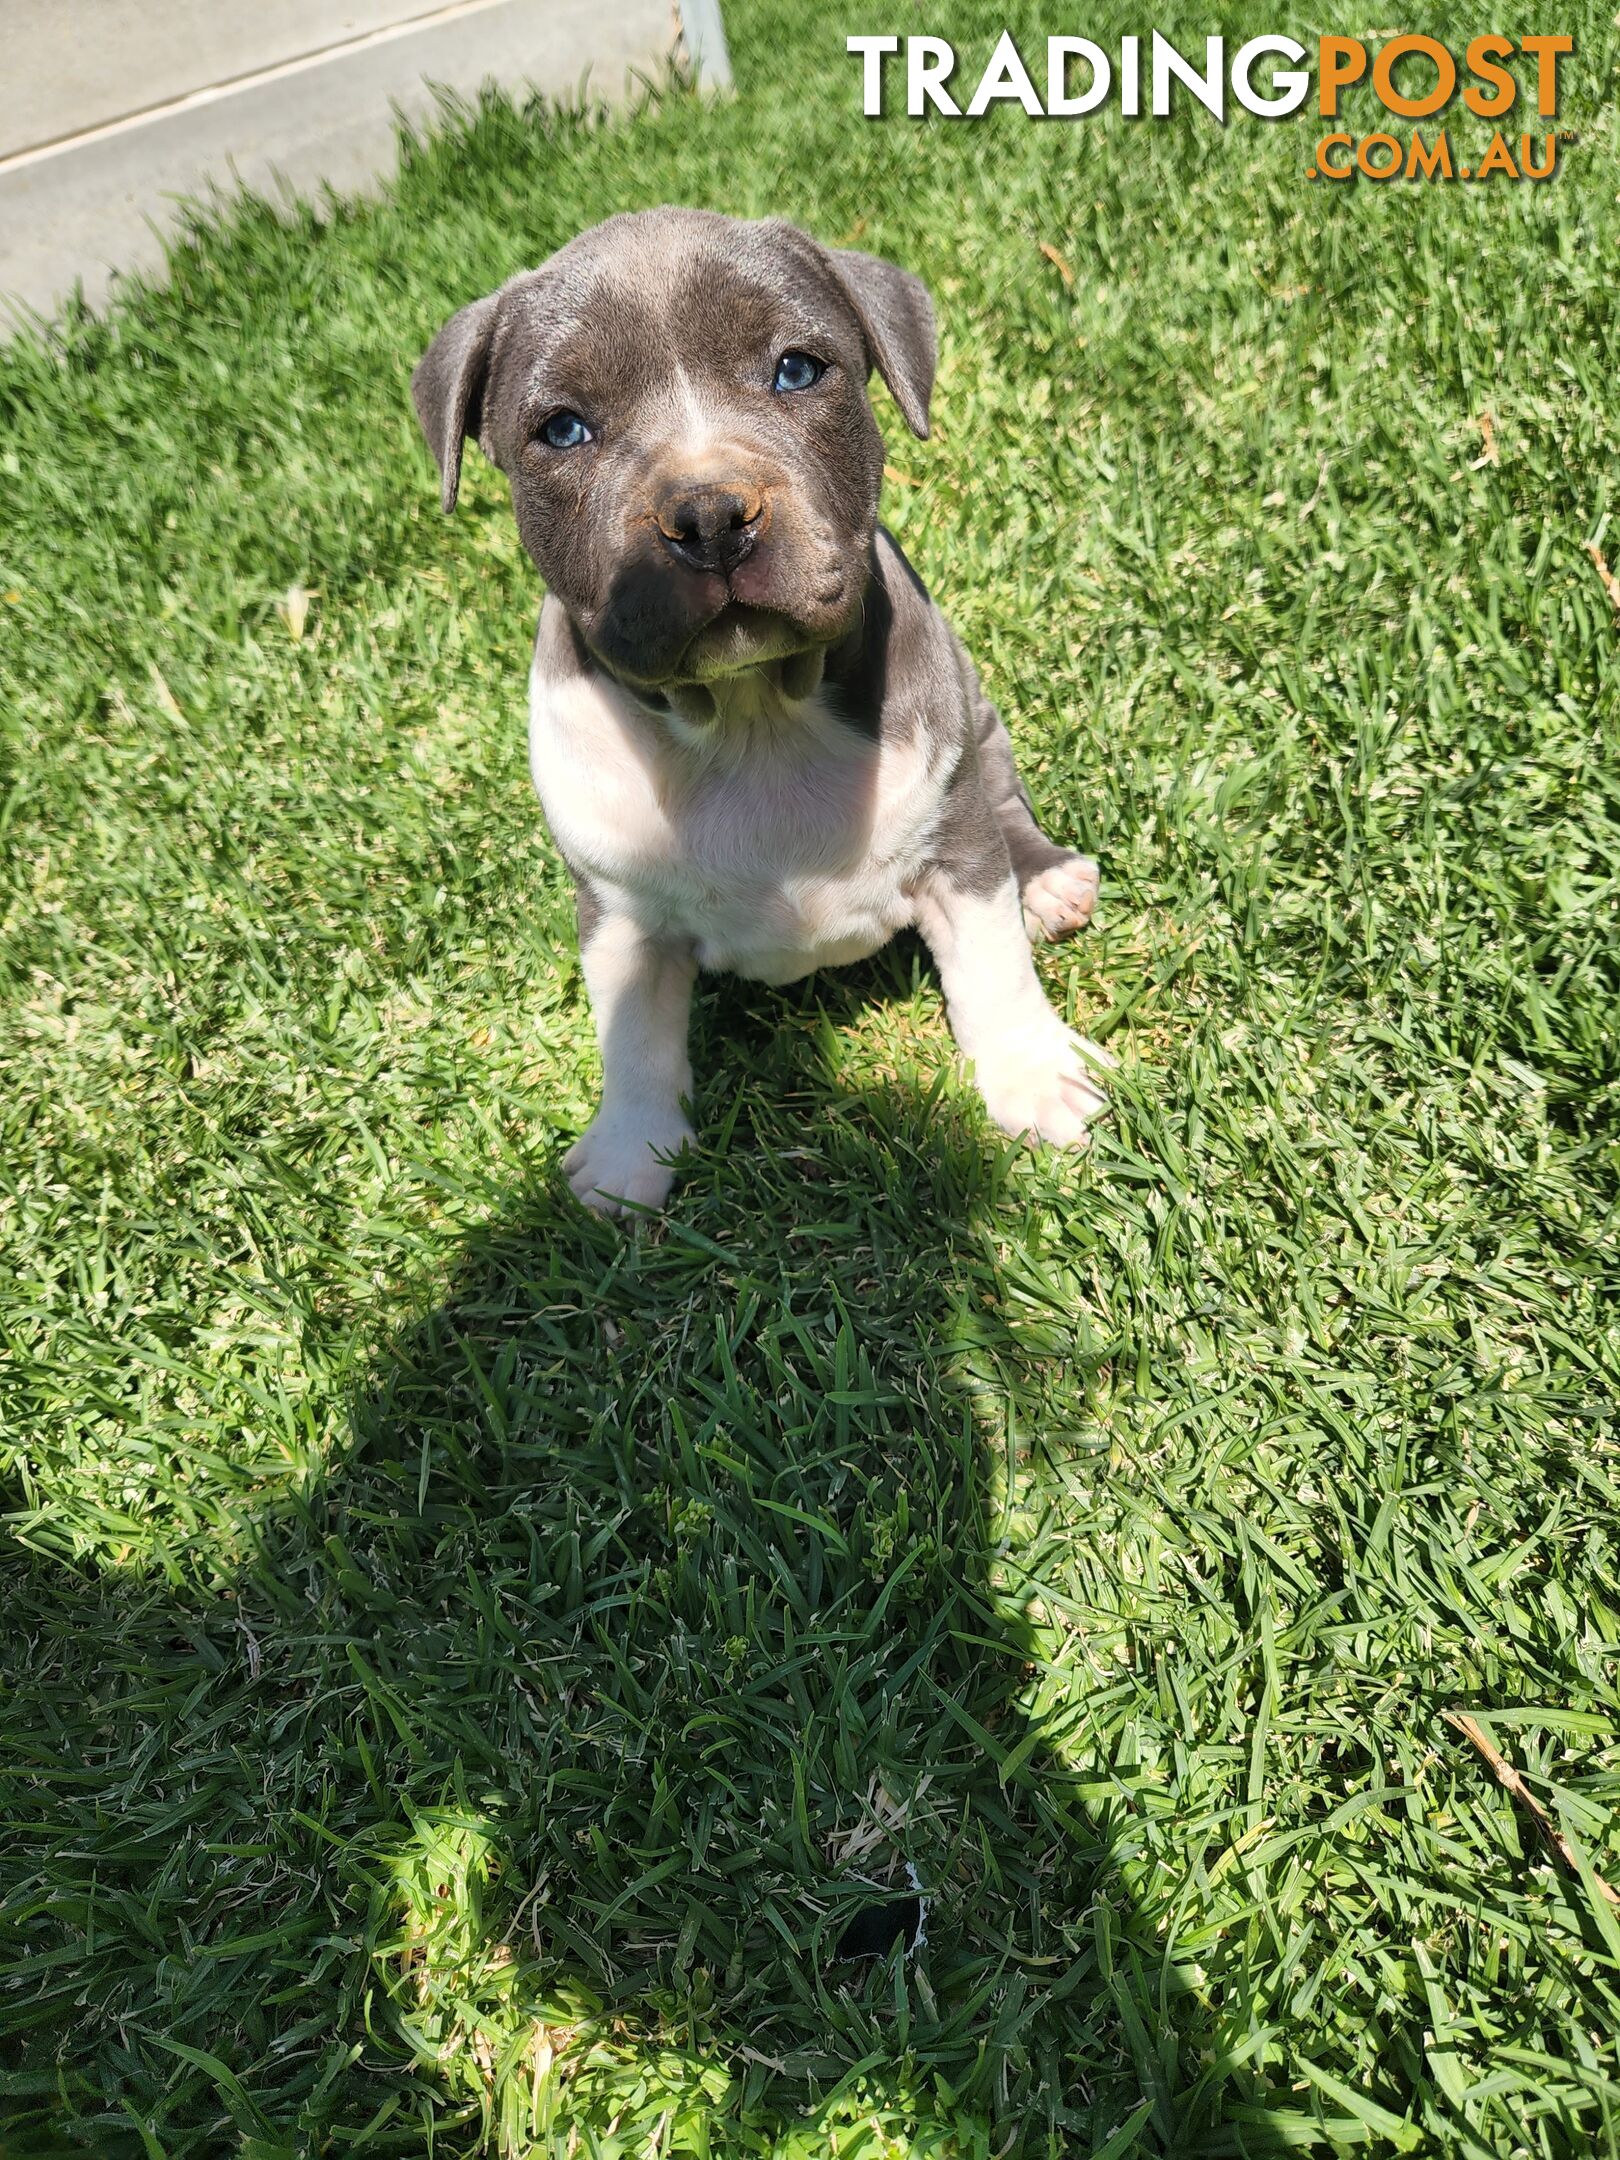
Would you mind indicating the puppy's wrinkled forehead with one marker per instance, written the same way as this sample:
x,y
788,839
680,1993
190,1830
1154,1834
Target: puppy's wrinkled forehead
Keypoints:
x,y
648,305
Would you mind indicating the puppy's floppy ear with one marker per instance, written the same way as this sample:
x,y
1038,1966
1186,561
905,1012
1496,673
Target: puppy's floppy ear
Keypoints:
x,y
447,388
898,318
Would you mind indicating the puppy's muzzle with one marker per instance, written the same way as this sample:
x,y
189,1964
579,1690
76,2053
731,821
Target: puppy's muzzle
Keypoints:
x,y
710,525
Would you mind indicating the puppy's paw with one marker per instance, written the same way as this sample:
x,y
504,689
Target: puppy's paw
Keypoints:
x,y
1042,1082
1058,901
619,1158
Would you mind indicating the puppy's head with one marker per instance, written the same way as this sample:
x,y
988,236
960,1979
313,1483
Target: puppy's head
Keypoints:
x,y
679,402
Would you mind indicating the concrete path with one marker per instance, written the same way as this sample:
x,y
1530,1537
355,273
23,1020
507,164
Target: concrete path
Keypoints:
x,y
115,111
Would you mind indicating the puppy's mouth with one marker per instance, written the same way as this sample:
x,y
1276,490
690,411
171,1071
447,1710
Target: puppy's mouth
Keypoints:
x,y
739,639
696,637
665,621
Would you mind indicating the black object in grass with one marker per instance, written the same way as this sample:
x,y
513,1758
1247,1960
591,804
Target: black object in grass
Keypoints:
x,y
877,1927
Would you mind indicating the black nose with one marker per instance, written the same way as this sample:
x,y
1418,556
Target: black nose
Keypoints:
x,y
709,525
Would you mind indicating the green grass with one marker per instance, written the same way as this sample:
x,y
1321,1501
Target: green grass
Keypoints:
x,y
461,1661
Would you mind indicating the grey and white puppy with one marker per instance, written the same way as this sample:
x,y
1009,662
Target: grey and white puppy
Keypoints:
x,y
758,743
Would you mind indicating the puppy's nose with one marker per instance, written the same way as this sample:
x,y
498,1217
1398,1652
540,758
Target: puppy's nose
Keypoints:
x,y
710,525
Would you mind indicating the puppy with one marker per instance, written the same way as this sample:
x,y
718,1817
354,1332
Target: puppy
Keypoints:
x,y
758,743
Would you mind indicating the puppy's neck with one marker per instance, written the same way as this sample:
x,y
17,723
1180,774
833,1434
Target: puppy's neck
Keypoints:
x,y
755,697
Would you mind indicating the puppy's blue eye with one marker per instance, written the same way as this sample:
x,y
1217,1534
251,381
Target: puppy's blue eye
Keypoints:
x,y
797,371
565,431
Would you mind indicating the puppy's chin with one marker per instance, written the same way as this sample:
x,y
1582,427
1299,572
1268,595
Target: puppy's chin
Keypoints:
x,y
660,627
738,641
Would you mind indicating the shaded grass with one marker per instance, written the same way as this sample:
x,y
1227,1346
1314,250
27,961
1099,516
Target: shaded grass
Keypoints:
x,y
463,1665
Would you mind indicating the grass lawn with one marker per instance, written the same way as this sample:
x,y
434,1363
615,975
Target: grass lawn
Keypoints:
x,y
464,1664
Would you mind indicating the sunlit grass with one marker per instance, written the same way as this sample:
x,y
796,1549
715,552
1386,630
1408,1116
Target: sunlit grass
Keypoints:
x,y
464,1665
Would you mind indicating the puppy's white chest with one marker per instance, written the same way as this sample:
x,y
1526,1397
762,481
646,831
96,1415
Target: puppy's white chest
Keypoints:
x,y
775,851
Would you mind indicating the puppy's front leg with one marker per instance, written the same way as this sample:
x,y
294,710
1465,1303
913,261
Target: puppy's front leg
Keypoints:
x,y
641,997
1035,1074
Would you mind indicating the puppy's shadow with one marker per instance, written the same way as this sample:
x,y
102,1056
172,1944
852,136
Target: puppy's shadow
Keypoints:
x,y
678,1645
773,1063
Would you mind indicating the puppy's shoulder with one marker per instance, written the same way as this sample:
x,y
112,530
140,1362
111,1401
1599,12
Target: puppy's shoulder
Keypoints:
x,y
910,601
593,754
921,677
569,694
